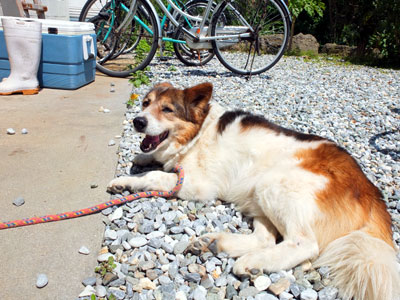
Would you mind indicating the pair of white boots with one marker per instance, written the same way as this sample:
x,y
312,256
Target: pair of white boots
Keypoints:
x,y
24,44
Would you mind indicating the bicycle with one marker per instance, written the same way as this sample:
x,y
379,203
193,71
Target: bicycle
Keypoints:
x,y
244,47
108,16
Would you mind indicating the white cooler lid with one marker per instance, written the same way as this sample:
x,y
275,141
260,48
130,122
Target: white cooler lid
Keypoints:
x,y
60,27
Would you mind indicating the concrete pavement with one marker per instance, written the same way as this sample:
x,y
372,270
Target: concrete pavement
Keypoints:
x,y
52,168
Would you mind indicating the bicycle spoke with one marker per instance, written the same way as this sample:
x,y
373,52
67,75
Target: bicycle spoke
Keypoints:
x,y
120,54
253,54
192,57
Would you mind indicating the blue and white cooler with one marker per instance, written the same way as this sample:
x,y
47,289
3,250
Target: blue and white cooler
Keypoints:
x,y
68,57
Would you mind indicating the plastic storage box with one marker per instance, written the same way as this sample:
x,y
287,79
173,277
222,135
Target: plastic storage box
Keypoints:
x,y
68,58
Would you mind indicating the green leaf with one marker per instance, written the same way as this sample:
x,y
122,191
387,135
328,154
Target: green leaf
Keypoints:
x,y
110,260
112,297
311,7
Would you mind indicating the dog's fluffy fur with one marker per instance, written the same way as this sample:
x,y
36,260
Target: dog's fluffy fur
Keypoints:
x,y
301,187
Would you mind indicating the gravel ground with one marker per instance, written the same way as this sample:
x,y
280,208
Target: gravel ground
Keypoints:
x,y
358,107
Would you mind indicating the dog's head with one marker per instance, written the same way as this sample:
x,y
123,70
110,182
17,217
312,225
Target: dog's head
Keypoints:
x,y
171,115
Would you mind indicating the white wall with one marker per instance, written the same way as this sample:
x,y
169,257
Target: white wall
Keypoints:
x,y
75,7
57,9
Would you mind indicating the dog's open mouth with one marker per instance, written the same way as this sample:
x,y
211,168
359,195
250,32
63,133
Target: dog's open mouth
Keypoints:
x,y
151,142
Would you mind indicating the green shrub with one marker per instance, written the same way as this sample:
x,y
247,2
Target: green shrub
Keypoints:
x,y
371,25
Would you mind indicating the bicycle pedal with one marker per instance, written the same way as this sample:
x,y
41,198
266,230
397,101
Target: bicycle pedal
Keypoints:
x,y
163,58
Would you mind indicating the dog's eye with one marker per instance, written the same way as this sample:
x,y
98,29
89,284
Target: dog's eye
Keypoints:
x,y
146,103
166,109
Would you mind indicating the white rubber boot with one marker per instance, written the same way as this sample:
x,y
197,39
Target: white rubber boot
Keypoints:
x,y
24,44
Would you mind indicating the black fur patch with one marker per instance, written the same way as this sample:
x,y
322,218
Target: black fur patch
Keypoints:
x,y
260,121
249,120
228,117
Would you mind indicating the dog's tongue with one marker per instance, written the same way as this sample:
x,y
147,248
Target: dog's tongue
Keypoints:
x,y
150,142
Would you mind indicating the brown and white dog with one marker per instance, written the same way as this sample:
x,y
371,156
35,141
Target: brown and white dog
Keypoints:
x,y
302,187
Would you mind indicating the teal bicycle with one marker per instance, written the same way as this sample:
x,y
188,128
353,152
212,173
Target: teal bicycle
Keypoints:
x,y
248,37
122,52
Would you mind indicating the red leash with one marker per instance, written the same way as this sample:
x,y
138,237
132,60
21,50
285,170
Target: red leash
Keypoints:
x,y
97,208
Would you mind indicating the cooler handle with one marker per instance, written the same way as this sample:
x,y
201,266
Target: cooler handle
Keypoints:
x,y
88,52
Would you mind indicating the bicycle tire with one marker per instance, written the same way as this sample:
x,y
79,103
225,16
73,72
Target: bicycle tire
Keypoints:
x,y
133,45
92,8
107,47
192,57
263,48
95,11
122,63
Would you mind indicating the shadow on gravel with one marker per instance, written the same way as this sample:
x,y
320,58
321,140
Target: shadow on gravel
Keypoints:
x,y
199,72
395,154
395,110
202,73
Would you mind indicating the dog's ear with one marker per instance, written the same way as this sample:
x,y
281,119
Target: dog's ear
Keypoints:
x,y
163,84
196,100
198,94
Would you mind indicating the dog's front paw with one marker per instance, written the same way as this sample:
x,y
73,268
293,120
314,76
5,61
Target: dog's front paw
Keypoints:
x,y
206,243
250,264
118,185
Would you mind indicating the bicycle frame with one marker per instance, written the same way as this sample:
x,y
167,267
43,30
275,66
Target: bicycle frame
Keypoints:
x,y
197,36
204,26
165,39
130,11
165,18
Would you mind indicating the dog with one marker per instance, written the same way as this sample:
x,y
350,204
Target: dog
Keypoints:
x,y
300,187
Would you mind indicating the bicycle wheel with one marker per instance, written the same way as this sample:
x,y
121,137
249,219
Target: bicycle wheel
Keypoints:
x,y
131,41
93,8
192,57
130,37
140,37
264,36
107,16
106,48
96,12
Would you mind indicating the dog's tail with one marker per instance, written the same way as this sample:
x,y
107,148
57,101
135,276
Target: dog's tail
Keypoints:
x,y
363,267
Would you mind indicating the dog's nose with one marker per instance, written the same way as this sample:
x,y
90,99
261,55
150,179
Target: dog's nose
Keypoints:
x,y
140,123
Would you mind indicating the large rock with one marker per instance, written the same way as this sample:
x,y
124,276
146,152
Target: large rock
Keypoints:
x,y
305,43
340,50
271,43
